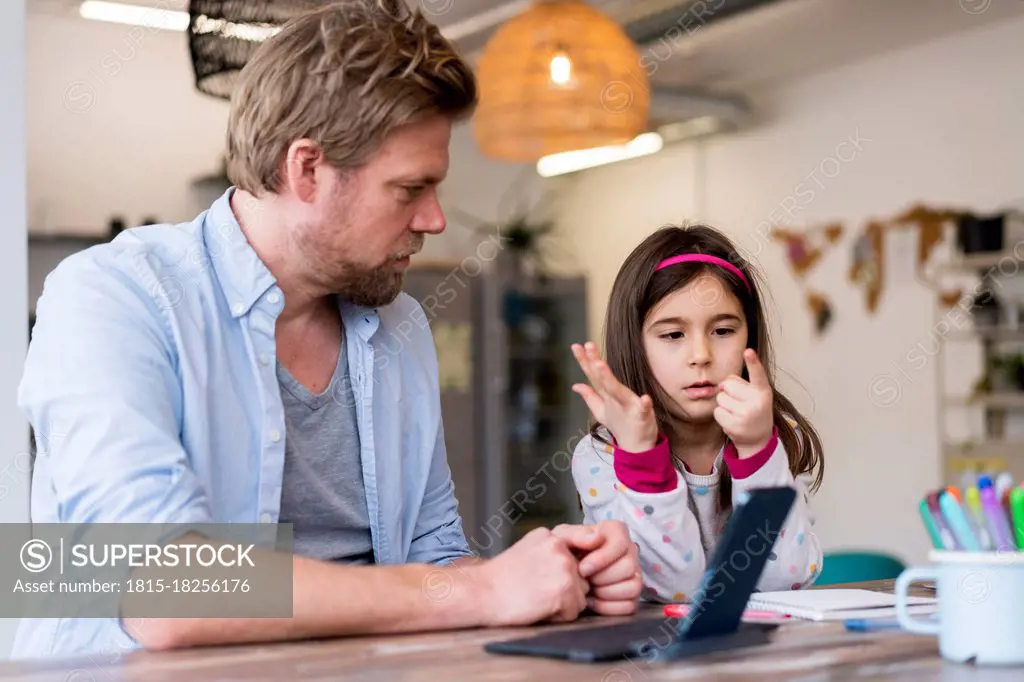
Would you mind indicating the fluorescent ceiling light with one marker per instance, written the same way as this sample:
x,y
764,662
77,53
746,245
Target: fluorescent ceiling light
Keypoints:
x,y
569,162
171,20
135,15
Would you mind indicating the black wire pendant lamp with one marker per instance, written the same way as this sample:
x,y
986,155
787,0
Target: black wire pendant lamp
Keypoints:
x,y
222,35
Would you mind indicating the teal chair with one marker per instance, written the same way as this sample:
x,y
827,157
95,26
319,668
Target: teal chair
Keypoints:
x,y
857,566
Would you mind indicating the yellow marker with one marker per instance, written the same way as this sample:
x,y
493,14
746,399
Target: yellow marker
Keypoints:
x,y
976,518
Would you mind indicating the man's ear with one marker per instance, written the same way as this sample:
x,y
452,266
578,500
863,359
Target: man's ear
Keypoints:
x,y
298,168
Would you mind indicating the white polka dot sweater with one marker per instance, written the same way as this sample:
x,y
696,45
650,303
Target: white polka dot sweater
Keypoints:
x,y
674,519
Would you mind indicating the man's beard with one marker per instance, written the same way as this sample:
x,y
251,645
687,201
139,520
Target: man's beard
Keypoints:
x,y
356,282
372,287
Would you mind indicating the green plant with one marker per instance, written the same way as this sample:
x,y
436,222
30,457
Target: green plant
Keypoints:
x,y
519,236
522,235
1002,372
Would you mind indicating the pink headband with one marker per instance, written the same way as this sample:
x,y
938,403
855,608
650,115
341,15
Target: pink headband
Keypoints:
x,y
703,258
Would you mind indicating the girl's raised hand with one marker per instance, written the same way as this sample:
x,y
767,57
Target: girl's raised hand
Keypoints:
x,y
745,407
628,416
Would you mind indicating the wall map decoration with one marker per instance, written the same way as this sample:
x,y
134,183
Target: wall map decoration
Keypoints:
x,y
804,249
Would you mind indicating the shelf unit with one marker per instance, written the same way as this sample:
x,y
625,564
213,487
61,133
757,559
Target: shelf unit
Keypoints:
x,y
531,418
511,431
996,398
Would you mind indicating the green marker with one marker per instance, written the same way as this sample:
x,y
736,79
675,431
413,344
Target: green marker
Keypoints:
x,y
1017,512
929,523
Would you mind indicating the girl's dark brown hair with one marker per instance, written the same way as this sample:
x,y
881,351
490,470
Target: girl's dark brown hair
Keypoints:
x,y
639,287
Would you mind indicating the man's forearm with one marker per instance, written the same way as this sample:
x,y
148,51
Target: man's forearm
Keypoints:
x,y
332,600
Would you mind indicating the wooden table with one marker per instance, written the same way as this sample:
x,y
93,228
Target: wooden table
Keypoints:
x,y
799,652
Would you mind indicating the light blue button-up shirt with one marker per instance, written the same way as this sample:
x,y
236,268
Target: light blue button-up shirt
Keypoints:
x,y
151,384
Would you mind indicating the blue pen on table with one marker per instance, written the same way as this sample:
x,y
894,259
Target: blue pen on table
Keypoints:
x,y
998,524
958,523
878,624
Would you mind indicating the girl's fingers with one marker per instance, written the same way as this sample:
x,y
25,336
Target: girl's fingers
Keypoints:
x,y
726,419
731,404
596,369
589,367
737,388
607,384
592,399
613,389
610,386
581,360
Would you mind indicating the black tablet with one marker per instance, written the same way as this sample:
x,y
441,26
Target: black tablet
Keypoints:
x,y
714,619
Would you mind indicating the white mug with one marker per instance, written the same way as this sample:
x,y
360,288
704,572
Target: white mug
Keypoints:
x,y
980,605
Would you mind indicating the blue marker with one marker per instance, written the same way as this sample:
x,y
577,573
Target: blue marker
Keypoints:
x,y
957,521
877,624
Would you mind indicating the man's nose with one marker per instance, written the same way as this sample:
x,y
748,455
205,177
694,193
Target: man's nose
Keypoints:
x,y
430,218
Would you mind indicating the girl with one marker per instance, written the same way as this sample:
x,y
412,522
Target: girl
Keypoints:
x,y
688,417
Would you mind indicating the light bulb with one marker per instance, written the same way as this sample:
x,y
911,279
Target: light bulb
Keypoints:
x,y
561,69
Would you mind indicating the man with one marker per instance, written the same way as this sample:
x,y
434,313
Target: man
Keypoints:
x,y
233,369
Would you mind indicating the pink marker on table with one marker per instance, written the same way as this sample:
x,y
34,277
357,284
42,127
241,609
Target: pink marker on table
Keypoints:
x,y
681,610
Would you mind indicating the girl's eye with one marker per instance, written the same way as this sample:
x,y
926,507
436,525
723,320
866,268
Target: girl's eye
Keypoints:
x,y
672,336
724,331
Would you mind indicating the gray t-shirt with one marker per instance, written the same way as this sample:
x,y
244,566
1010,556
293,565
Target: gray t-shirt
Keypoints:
x,y
323,494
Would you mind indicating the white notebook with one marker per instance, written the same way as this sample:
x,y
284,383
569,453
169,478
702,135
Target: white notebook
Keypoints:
x,y
836,604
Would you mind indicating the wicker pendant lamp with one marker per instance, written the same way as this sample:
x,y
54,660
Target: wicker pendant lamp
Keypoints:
x,y
222,34
559,77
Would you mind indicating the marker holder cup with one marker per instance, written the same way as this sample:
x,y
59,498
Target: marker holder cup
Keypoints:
x,y
980,605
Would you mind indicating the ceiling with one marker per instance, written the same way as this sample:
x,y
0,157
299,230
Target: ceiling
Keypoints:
x,y
794,38
776,40
770,42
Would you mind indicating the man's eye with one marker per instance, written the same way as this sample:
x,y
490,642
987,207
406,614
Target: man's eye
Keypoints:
x,y
413,191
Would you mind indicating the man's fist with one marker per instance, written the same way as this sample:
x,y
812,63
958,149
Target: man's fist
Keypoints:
x,y
610,562
536,579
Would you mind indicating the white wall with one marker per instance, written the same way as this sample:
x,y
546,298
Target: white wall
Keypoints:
x,y
14,465
942,126
116,127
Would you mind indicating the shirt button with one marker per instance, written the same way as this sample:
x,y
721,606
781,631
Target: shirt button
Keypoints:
x,y
273,298
266,518
264,359
237,309
275,435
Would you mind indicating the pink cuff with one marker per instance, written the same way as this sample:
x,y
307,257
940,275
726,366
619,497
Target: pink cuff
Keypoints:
x,y
744,468
646,472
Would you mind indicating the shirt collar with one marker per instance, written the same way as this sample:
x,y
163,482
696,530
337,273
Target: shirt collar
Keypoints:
x,y
242,275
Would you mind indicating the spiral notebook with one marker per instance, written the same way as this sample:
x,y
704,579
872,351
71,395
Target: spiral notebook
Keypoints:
x,y
837,604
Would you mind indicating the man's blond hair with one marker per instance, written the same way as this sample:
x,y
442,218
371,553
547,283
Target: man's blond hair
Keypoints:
x,y
343,75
